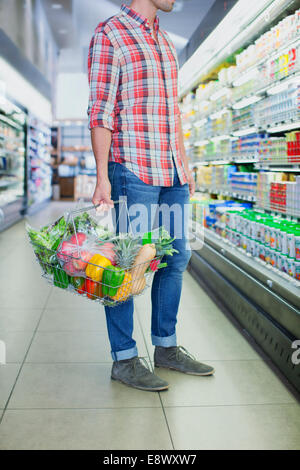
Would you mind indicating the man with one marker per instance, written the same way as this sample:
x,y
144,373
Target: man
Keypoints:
x,y
138,146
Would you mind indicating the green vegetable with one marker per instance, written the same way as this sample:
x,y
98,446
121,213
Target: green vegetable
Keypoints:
x,y
84,223
163,242
111,280
78,283
61,278
103,233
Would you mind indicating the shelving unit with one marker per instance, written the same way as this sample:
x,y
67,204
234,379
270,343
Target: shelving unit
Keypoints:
x,y
77,170
12,162
39,171
247,122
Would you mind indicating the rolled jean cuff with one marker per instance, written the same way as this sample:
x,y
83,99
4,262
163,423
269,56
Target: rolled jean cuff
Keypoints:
x,y
165,342
126,354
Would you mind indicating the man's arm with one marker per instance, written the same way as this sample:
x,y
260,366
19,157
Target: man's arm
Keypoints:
x,y
101,141
184,158
104,69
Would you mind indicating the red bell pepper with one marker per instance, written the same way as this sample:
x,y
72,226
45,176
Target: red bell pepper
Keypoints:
x,y
92,289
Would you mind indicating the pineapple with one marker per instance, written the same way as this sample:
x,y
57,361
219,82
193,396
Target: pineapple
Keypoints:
x,y
127,247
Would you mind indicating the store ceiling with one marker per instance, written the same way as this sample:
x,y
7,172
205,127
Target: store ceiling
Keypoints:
x,y
73,22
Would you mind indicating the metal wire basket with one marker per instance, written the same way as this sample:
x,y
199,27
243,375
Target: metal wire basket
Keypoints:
x,y
101,282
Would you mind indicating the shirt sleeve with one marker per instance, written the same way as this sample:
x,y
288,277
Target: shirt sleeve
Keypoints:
x,y
104,71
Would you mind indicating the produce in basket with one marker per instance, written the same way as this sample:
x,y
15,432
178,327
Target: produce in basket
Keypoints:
x,y
144,257
89,259
125,290
92,289
78,284
96,266
111,280
126,247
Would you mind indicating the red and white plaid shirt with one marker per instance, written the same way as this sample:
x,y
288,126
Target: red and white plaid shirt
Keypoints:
x,y
134,93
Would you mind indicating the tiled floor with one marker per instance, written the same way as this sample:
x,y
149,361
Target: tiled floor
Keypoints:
x,y
56,392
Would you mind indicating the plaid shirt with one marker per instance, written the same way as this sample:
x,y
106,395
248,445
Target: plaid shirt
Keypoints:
x,y
133,92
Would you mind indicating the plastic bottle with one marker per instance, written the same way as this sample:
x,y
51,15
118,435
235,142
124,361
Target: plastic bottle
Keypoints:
x,y
297,244
291,242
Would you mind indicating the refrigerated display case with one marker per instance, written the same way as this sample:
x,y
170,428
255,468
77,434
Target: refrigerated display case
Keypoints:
x,y
39,171
12,162
242,134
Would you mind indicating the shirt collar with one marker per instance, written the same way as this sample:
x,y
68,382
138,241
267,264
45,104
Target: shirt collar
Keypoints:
x,y
142,20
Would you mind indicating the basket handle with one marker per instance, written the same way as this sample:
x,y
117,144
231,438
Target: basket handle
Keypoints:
x,y
70,217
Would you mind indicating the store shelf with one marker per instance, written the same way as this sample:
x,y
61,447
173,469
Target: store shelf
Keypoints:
x,y
287,215
243,76
221,192
272,166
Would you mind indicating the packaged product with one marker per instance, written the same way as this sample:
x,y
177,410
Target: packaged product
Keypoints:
x,y
267,254
297,244
273,257
297,270
291,266
284,263
278,260
262,251
291,242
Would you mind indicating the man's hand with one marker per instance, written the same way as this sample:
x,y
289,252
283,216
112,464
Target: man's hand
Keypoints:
x,y
102,195
191,182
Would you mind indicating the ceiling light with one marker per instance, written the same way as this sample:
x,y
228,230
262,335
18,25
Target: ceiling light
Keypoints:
x,y
246,102
56,6
63,31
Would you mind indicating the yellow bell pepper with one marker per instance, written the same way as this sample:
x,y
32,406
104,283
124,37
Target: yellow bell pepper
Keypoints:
x,y
96,266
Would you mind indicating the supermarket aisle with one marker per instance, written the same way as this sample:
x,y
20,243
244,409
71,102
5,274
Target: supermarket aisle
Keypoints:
x,y
56,393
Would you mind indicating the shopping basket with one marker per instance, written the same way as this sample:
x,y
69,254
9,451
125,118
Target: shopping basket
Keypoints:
x,y
100,265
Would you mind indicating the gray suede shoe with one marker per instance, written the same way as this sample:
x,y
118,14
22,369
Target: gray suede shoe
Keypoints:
x,y
134,372
178,358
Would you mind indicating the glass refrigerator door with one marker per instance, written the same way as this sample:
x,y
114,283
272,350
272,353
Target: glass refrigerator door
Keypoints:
x,y
12,162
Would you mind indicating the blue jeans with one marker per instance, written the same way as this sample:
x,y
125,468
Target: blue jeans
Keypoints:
x,y
167,282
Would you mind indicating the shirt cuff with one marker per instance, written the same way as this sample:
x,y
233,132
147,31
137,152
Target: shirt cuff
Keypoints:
x,y
98,121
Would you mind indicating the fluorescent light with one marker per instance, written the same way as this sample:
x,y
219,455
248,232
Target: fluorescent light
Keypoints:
x,y
199,143
246,77
284,127
56,6
215,96
283,86
63,31
246,102
220,137
200,123
249,130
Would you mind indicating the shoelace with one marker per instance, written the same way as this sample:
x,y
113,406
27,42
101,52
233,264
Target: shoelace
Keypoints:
x,y
181,350
140,361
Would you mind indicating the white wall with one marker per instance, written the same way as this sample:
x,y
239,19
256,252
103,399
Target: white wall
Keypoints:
x,y
72,93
